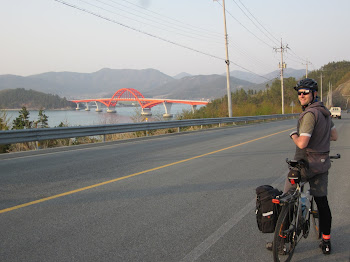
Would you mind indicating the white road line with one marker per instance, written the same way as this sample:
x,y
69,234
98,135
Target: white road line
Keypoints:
x,y
220,232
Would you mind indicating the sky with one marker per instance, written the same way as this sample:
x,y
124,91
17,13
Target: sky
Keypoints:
x,y
85,36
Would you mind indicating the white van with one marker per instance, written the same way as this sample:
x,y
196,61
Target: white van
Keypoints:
x,y
336,112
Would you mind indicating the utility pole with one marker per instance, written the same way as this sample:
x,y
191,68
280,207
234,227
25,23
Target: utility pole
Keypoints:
x,y
282,66
307,66
321,88
329,96
347,100
227,61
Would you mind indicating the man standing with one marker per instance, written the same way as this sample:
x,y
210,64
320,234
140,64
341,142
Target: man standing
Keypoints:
x,y
314,132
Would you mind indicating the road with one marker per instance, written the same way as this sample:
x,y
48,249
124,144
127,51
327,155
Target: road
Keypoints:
x,y
182,197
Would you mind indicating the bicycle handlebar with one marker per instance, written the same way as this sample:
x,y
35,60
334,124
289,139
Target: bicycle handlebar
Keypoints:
x,y
335,157
302,162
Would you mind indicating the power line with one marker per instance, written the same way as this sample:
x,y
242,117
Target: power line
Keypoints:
x,y
242,50
104,9
295,55
253,22
247,29
289,58
307,62
298,57
137,30
163,20
251,71
246,54
175,20
152,35
258,21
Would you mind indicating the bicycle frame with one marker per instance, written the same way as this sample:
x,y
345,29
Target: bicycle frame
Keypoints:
x,y
291,224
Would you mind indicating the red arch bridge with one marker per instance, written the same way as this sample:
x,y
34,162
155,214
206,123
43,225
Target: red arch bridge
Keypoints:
x,y
132,95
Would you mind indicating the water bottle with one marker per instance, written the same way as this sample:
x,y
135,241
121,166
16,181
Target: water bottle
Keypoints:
x,y
305,203
308,201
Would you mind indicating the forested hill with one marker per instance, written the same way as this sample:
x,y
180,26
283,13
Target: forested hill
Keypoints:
x,y
335,73
17,98
268,101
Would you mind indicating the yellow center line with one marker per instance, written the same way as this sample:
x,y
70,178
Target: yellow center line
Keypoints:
x,y
132,175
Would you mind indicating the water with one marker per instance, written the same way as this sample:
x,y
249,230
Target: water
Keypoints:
x,y
86,118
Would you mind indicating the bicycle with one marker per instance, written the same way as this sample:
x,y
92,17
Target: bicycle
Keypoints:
x,y
294,219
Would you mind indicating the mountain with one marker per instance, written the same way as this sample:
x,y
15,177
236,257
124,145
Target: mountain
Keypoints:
x,y
150,82
247,76
199,87
105,82
181,75
288,72
41,85
102,83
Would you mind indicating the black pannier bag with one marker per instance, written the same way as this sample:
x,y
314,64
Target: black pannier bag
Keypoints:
x,y
266,211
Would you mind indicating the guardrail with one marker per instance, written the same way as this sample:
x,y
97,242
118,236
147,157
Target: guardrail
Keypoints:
x,y
40,134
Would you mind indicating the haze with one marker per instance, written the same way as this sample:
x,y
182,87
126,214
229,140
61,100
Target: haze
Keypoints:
x,y
171,36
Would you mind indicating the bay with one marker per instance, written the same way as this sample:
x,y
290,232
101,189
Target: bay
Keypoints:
x,y
87,118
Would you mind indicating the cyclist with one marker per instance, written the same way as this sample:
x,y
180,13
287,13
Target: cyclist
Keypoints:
x,y
315,130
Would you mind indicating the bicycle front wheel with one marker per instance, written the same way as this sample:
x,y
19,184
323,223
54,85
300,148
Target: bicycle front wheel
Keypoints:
x,y
284,241
315,217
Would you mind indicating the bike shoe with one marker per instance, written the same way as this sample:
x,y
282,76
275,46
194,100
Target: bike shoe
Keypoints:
x,y
281,250
325,245
269,246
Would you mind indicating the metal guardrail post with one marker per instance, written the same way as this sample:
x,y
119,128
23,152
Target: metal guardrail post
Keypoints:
x,y
38,145
147,130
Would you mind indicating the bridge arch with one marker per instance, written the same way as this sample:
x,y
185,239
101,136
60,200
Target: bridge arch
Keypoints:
x,y
127,93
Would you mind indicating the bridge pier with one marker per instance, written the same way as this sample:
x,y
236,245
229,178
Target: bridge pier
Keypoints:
x,y
167,107
146,111
87,107
193,107
78,107
109,110
97,108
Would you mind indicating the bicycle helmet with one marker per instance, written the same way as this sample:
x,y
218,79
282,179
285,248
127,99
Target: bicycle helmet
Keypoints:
x,y
307,83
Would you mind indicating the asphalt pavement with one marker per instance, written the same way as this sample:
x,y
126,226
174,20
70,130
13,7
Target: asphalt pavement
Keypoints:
x,y
184,197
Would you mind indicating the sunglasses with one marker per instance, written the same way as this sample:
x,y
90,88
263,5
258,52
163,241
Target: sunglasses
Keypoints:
x,y
306,92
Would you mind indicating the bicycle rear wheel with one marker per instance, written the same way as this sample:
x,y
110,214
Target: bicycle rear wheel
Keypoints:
x,y
284,241
315,218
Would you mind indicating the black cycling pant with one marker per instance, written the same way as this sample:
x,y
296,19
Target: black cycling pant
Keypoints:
x,y
325,215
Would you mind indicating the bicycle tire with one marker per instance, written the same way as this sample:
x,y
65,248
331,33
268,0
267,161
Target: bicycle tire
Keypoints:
x,y
284,241
315,218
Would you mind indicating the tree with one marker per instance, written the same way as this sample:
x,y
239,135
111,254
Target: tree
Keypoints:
x,y
22,121
42,121
4,121
4,125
